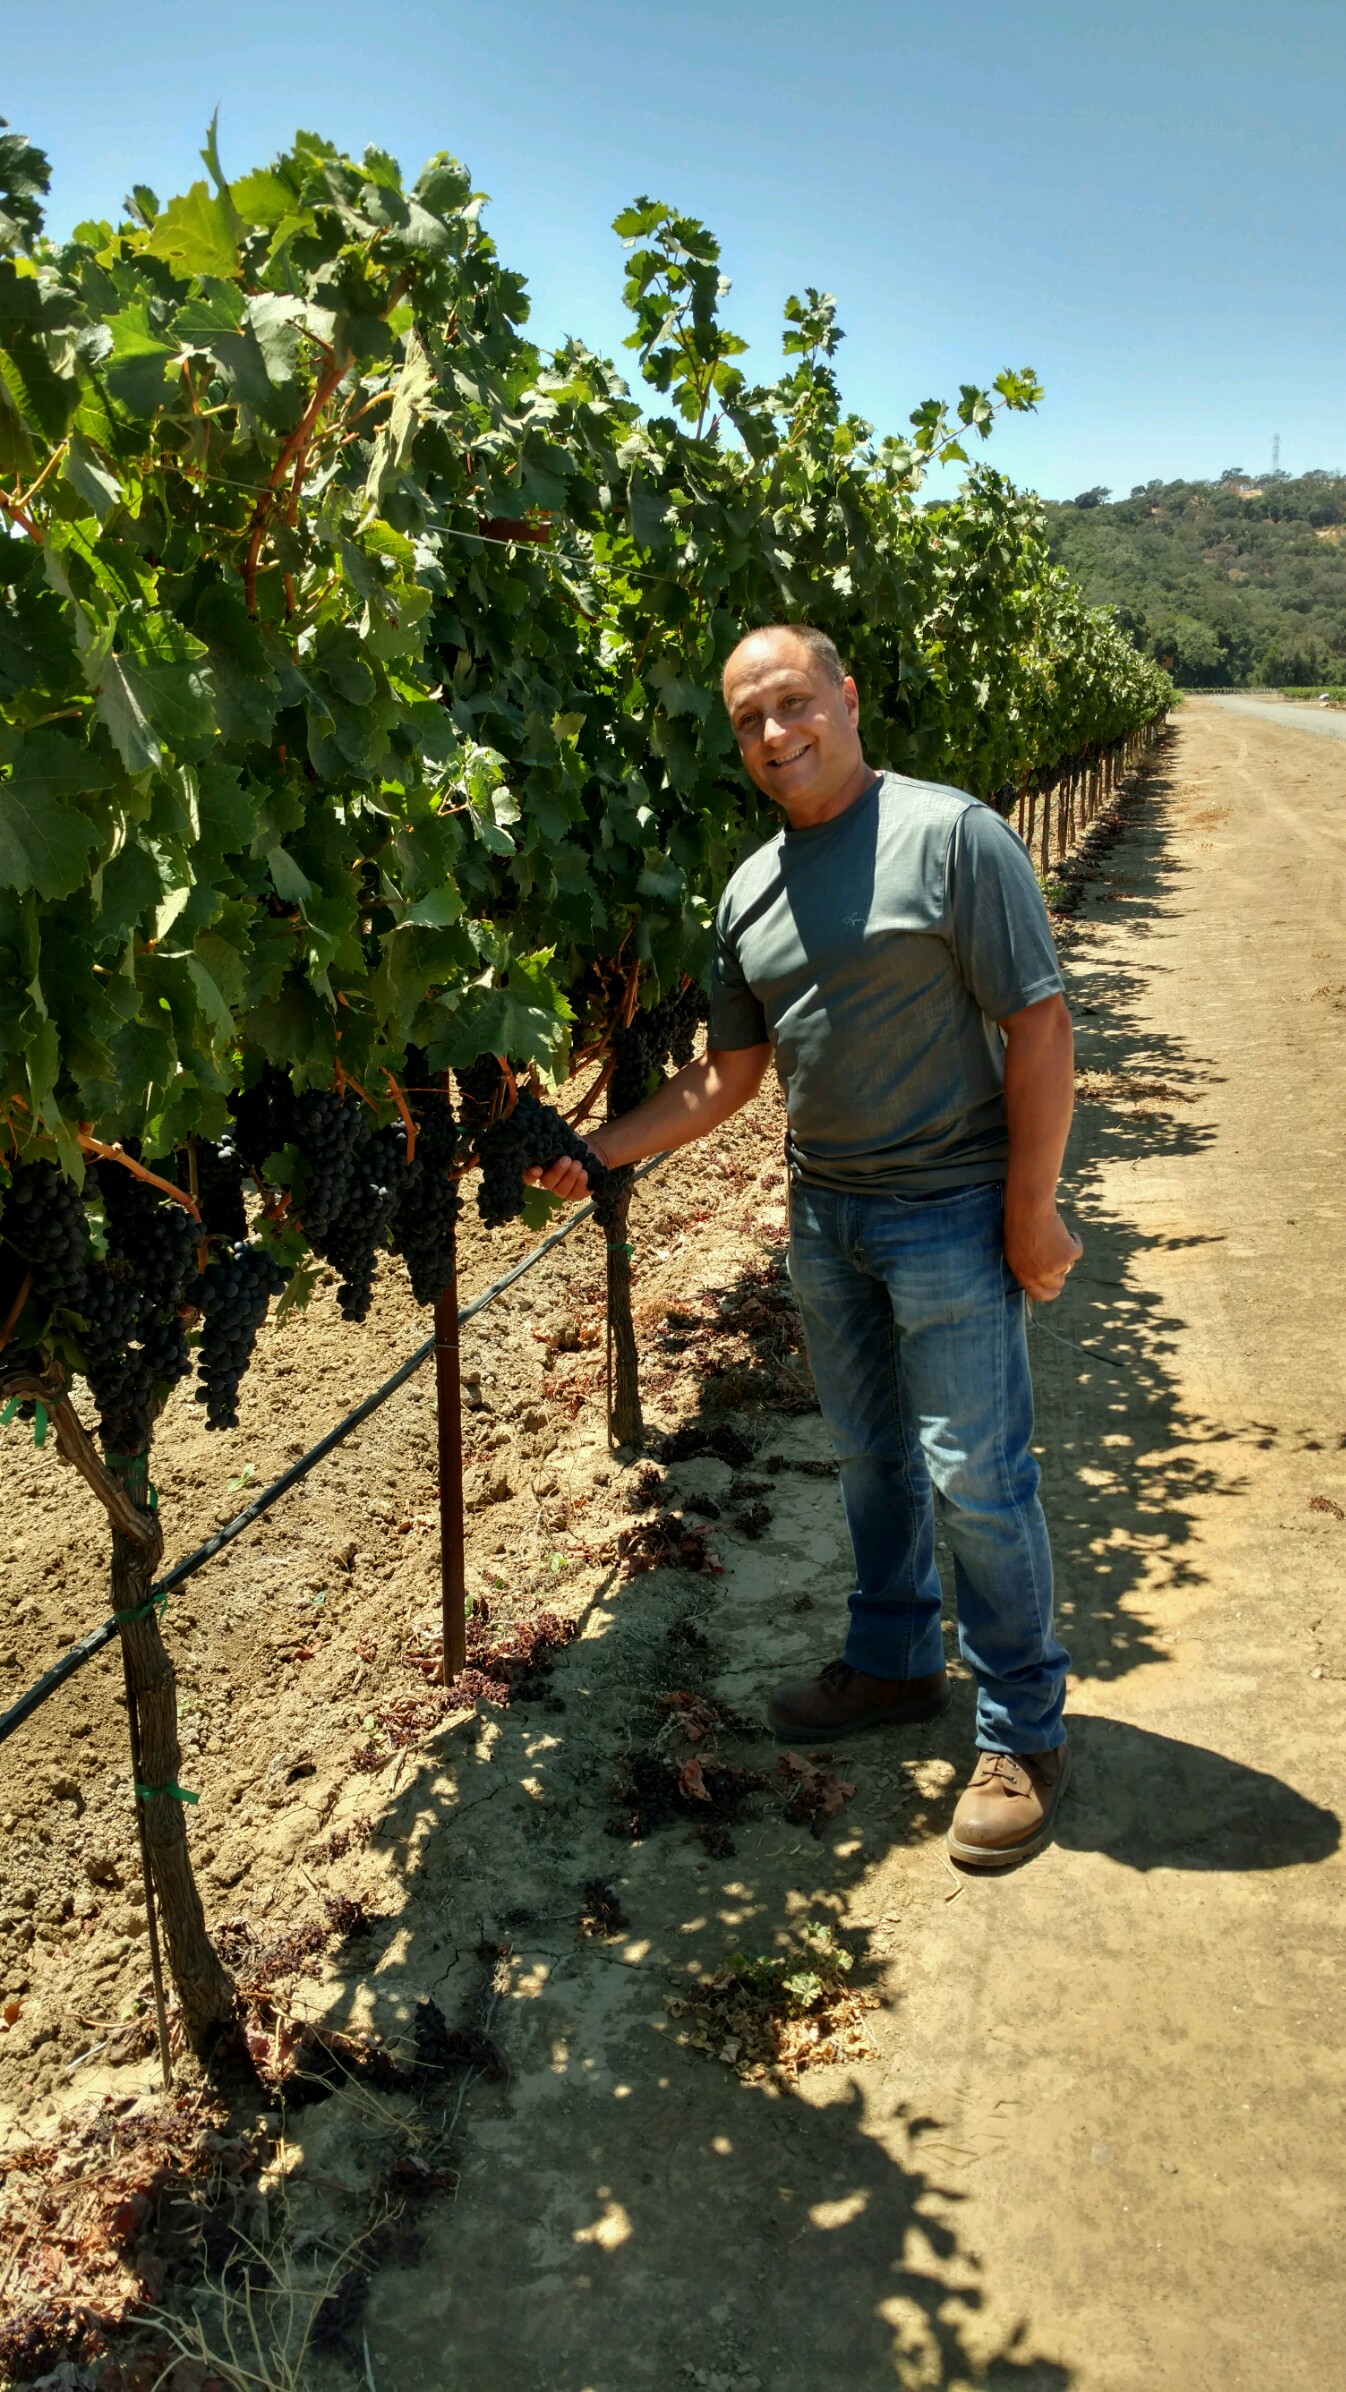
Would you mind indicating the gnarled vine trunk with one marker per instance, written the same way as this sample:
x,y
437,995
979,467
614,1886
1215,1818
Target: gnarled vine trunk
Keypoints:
x,y
626,1425
203,1985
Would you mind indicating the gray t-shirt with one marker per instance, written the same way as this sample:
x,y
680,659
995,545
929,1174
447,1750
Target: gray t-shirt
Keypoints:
x,y
878,952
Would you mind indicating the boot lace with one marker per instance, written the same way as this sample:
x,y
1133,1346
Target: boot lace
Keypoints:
x,y
836,1676
1008,1767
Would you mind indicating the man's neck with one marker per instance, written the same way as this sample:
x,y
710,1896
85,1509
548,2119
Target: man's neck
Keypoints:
x,y
809,816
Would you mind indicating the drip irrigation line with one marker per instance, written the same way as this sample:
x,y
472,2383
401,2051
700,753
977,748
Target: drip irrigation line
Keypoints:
x,y
86,1647
1091,1353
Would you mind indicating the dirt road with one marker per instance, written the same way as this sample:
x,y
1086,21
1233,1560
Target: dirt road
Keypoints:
x,y
1297,714
1100,2144
1096,2145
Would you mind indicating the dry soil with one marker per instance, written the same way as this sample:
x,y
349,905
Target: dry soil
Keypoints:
x,y
1097,2143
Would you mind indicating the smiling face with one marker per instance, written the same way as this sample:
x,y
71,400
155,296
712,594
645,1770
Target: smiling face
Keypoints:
x,y
797,729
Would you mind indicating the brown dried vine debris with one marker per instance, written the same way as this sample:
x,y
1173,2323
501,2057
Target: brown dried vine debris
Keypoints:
x,y
444,2050
117,2206
776,2015
816,1793
1129,1088
666,1542
602,1913
753,1521
696,1717
509,1666
648,1488
695,1438
1324,1503
651,1789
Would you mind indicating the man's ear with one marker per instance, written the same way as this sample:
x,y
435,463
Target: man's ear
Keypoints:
x,y
852,697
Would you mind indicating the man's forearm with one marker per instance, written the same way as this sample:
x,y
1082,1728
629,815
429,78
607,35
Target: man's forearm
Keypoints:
x,y
1039,1097
1039,1101
695,1101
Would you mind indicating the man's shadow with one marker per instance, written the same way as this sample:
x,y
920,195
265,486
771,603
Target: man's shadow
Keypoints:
x,y
1153,1802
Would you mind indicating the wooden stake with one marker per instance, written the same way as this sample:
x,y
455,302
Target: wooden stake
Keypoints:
x,y
449,1403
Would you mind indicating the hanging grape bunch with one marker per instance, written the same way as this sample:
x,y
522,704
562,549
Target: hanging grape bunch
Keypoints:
x,y
139,1298
358,1233
219,1187
524,1136
44,1224
665,1033
232,1295
429,1203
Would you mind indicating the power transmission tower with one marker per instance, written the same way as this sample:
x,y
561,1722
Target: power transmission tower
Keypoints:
x,y
1276,453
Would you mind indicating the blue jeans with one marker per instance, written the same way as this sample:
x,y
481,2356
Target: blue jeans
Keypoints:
x,y
917,1337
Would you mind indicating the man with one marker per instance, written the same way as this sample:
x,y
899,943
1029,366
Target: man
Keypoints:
x,y
890,946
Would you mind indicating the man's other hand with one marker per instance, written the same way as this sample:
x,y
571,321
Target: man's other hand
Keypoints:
x,y
1041,1252
566,1179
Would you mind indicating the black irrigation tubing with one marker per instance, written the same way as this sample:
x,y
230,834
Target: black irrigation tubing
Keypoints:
x,y
1091,1353
94,1642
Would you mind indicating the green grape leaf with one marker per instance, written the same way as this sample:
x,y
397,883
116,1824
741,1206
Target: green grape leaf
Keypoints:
x,y
91,479
195,234
436,910
137,365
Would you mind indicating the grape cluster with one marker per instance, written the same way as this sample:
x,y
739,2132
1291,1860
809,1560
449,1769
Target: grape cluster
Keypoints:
x,y
232,1295
117,1369
135,1336
429,1203
263,1116
327,1129
153,1236
219,1189
354,1239
675,1021
665,1034
632,1064
44,1221
532,1136
479,1085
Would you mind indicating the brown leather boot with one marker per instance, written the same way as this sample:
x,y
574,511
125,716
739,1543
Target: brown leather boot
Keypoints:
x,y
841,1701
1007,1808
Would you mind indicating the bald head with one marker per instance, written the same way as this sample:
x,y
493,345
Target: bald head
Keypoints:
x,y
823,650
795,714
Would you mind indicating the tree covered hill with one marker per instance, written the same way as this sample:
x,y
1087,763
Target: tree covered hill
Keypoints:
x,y
1239,580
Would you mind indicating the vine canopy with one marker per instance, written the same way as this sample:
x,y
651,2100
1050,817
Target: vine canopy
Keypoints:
x,y
358,660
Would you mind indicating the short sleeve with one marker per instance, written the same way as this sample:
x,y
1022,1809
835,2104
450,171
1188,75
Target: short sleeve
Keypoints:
x,y
736,1017
1002,939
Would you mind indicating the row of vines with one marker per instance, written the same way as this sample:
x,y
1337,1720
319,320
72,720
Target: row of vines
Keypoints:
x,y
363,781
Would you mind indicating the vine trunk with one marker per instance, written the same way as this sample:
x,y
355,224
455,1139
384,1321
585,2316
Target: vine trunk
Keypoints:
x,y
203,1985
626,1424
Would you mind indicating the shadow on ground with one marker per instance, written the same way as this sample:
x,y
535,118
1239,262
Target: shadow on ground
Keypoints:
x,y
630,2213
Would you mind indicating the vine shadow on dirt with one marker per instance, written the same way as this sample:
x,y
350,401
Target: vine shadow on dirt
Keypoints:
x,y
631,2213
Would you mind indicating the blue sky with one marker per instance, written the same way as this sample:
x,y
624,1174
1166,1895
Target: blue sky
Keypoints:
x,y
1146,203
